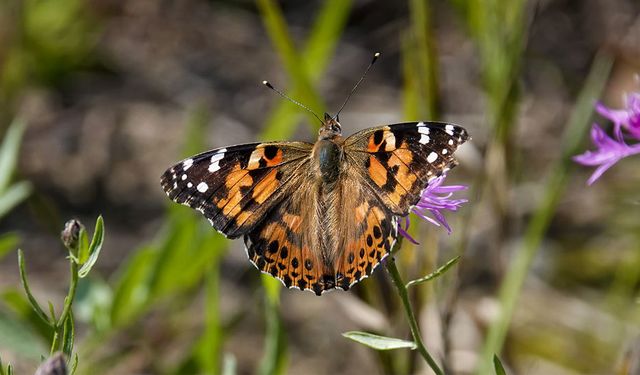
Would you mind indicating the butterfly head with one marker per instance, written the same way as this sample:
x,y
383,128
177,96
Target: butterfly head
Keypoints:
x,y
330,128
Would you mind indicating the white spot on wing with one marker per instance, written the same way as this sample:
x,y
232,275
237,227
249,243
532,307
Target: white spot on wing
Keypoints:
x,y
424,139
184,176
215,166
432,157
444,151
451,142
215,160
449,129
187,164
189,185
217,156
390,139
202,187
423,130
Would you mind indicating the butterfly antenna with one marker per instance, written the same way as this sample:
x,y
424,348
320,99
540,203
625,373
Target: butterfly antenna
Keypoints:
x,y
375,57
269,85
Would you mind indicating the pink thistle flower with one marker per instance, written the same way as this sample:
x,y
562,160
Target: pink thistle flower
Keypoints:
x,y
626,122
609,151
627,118
434,198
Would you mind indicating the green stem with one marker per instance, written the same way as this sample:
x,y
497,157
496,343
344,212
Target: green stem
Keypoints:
x,y
390,264
68,301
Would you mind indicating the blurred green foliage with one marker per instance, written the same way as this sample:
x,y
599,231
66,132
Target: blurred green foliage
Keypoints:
x,y
42,42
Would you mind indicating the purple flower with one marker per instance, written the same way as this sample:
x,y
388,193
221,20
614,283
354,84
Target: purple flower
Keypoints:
x,y
609,151
432,200
627,118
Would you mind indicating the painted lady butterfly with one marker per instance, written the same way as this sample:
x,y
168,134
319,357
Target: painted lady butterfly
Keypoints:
x,y
322,215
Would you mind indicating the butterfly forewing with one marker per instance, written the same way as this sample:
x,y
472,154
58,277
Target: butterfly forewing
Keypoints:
x,y
398,161
234,187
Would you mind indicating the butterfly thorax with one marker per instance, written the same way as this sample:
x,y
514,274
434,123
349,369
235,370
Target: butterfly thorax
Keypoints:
x,y
328,151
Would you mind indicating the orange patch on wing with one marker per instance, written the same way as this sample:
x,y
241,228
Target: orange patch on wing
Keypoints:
x,y
377,171
258,155
292,221
361,211
243,216
237,179
404,176
277,159
263,190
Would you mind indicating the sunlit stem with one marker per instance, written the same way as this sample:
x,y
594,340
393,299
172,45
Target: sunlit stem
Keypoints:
x,y
390,264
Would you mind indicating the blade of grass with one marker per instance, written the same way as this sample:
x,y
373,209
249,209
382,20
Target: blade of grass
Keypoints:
x,y
294,65
8,242
14,194
210,348
518,270
9,152
423,56
275,357
316,54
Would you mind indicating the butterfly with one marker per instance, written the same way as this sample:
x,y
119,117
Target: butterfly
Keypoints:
x,y
317,216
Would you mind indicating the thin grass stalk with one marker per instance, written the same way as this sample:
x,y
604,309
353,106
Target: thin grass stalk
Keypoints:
x,y
512,284
316,54
276,27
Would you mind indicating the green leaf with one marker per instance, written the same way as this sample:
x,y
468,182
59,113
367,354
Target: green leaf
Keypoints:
x,y
379,342
23,277
435,273
52,311
82,250
9,152
68,335
74,365
8,242
498,366
94,248
13,196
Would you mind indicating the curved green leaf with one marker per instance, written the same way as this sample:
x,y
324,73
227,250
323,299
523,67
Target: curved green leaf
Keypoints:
x,y
379,342
94,248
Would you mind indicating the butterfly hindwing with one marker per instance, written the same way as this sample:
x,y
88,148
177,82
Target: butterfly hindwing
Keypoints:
x,y
398,161
235,186
322,252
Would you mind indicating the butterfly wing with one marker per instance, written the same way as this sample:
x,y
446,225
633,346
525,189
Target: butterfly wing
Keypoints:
x,y
235,187
319,252
397,161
